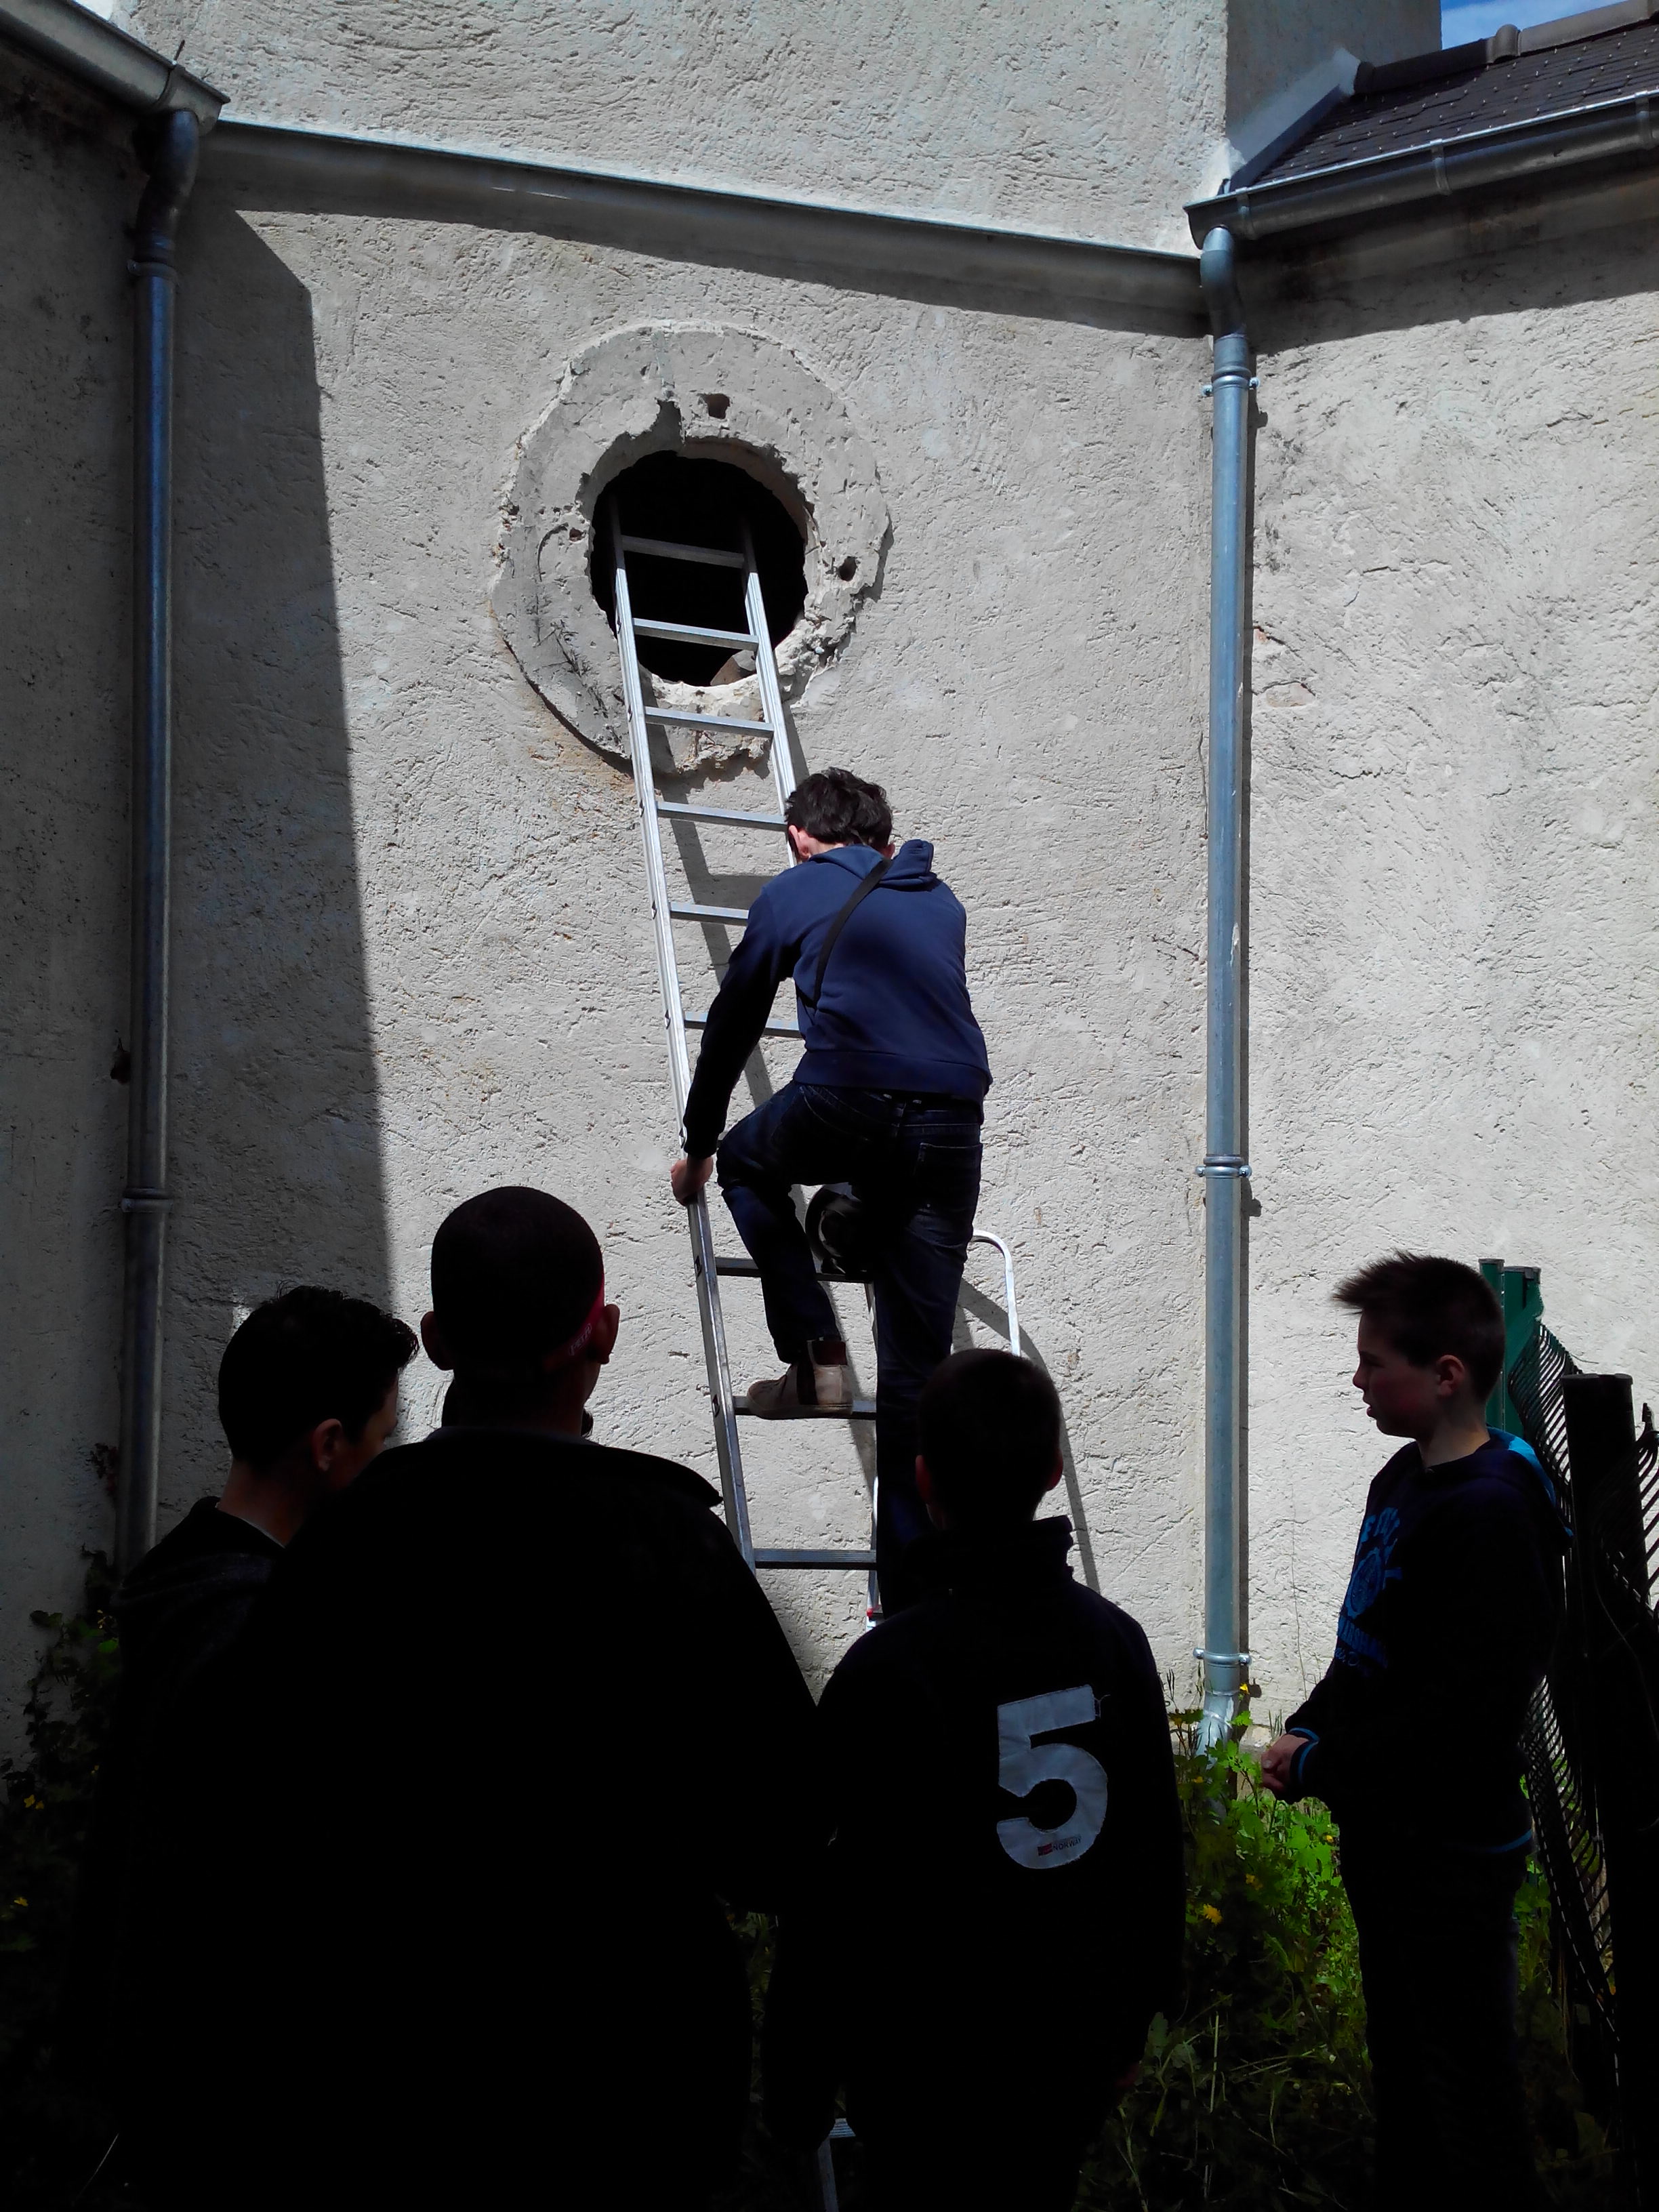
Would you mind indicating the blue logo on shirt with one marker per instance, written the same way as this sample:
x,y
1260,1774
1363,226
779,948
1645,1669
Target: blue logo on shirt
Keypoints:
x,y
1372,1572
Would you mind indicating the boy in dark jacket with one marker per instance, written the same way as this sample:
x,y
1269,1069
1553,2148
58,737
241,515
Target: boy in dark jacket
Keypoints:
x,y
1412,1736
886,1097
308,1397
1000,1914
531,1731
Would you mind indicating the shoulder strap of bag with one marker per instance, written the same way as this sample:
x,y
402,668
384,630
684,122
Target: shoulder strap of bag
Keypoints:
x,y
861,891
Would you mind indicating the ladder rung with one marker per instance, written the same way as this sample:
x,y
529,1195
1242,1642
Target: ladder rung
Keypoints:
x,y
748,1270
689,634
772,1028
709,913
663,548
815,1559
682,717
863,1409
747,1267
739,814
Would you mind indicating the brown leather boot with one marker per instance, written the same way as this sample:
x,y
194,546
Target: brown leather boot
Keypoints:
x,y
806,1387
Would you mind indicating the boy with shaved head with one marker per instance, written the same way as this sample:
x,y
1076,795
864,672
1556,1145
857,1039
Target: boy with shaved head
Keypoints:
x,y
534,1733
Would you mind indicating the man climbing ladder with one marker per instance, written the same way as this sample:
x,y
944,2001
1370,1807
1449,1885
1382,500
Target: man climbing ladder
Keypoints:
x,y
886,1097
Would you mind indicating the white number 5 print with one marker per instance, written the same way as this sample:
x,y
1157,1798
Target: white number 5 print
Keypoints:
x,y
1021,1764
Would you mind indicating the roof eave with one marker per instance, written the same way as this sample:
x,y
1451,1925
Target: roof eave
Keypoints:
x,y
122,68
1351,192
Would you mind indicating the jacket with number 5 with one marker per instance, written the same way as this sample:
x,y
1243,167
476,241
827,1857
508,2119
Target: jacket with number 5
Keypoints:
x,y
1003,1901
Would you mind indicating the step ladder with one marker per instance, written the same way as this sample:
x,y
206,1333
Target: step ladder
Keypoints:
x,y
710,1267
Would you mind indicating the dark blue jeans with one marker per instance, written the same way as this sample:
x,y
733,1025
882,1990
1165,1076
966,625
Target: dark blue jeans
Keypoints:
x,y
1438,1957
915,1162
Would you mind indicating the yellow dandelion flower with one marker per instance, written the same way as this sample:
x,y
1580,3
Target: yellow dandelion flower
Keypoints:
x,y
1330,1835
1252,1881
23,1901
1211,1913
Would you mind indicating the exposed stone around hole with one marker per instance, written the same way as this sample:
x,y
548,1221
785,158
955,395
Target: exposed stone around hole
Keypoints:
x,y
639,391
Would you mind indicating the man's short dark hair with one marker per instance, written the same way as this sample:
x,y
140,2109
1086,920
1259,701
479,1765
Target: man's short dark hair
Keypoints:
x,y
839,808
516,1273
1426,1307
989,1427
308,1356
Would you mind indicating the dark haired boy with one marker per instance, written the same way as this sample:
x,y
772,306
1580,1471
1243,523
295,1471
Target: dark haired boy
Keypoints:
x,y
1412,1737
1001,1911
531,1730
307,1398
886,1097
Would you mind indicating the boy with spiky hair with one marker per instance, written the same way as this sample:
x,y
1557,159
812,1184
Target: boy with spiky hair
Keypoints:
x,y
1412,1737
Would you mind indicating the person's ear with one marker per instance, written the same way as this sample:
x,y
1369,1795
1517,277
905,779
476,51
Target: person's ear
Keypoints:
x,y
606,1329
323,1445
887,851
437,1345
1450,1374
792,838
1058,1474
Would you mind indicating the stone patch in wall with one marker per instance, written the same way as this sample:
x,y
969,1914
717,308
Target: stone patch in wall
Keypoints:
x,y
710,393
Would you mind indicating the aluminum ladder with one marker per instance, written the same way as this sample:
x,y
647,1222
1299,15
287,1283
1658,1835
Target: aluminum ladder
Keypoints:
x,y
709,1267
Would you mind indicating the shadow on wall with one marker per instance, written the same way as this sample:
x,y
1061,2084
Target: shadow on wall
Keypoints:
x,y
276,1167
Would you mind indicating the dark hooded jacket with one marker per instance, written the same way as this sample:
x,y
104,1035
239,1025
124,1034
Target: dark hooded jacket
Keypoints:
x,y
180,1614
1000,1912
892,1012
524,1732
1451,1610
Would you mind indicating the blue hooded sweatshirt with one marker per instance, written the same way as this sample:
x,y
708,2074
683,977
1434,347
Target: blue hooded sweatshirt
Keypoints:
x,y
893,1012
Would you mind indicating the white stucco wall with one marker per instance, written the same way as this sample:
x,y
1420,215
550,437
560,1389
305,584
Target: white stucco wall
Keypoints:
x,y
413,952
1079,121
465,992
1453,931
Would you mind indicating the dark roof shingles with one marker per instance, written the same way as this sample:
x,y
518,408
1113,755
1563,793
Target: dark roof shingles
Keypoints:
x,y
1613,66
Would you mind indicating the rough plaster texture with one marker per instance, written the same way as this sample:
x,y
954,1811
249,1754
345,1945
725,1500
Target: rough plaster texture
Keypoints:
x,y
462,990
413,954
713,394
1452,924
1094,121
63,567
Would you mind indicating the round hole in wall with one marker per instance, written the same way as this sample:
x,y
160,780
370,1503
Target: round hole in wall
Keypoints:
x,y
684,501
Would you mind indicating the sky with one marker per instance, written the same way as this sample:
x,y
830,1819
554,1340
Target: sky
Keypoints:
x,y
1479,19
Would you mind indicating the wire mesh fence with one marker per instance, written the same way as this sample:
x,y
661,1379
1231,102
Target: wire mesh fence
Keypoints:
x,y
1591,1743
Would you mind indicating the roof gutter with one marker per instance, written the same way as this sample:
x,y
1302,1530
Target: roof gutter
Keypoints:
x,y
1510,153
282,165
84,47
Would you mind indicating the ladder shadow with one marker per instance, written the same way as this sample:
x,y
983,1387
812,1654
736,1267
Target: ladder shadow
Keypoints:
x,y
986,1309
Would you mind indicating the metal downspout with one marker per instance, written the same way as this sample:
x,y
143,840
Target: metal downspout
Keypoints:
x,y
167,146
1225,1169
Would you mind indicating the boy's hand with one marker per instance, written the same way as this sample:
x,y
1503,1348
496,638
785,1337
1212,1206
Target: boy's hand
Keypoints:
x,y
689,1179
1276,1762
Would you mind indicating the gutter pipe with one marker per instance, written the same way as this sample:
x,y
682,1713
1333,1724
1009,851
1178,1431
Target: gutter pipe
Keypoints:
x,y
285,166
1510,153
83,46
1225,1169
168,147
